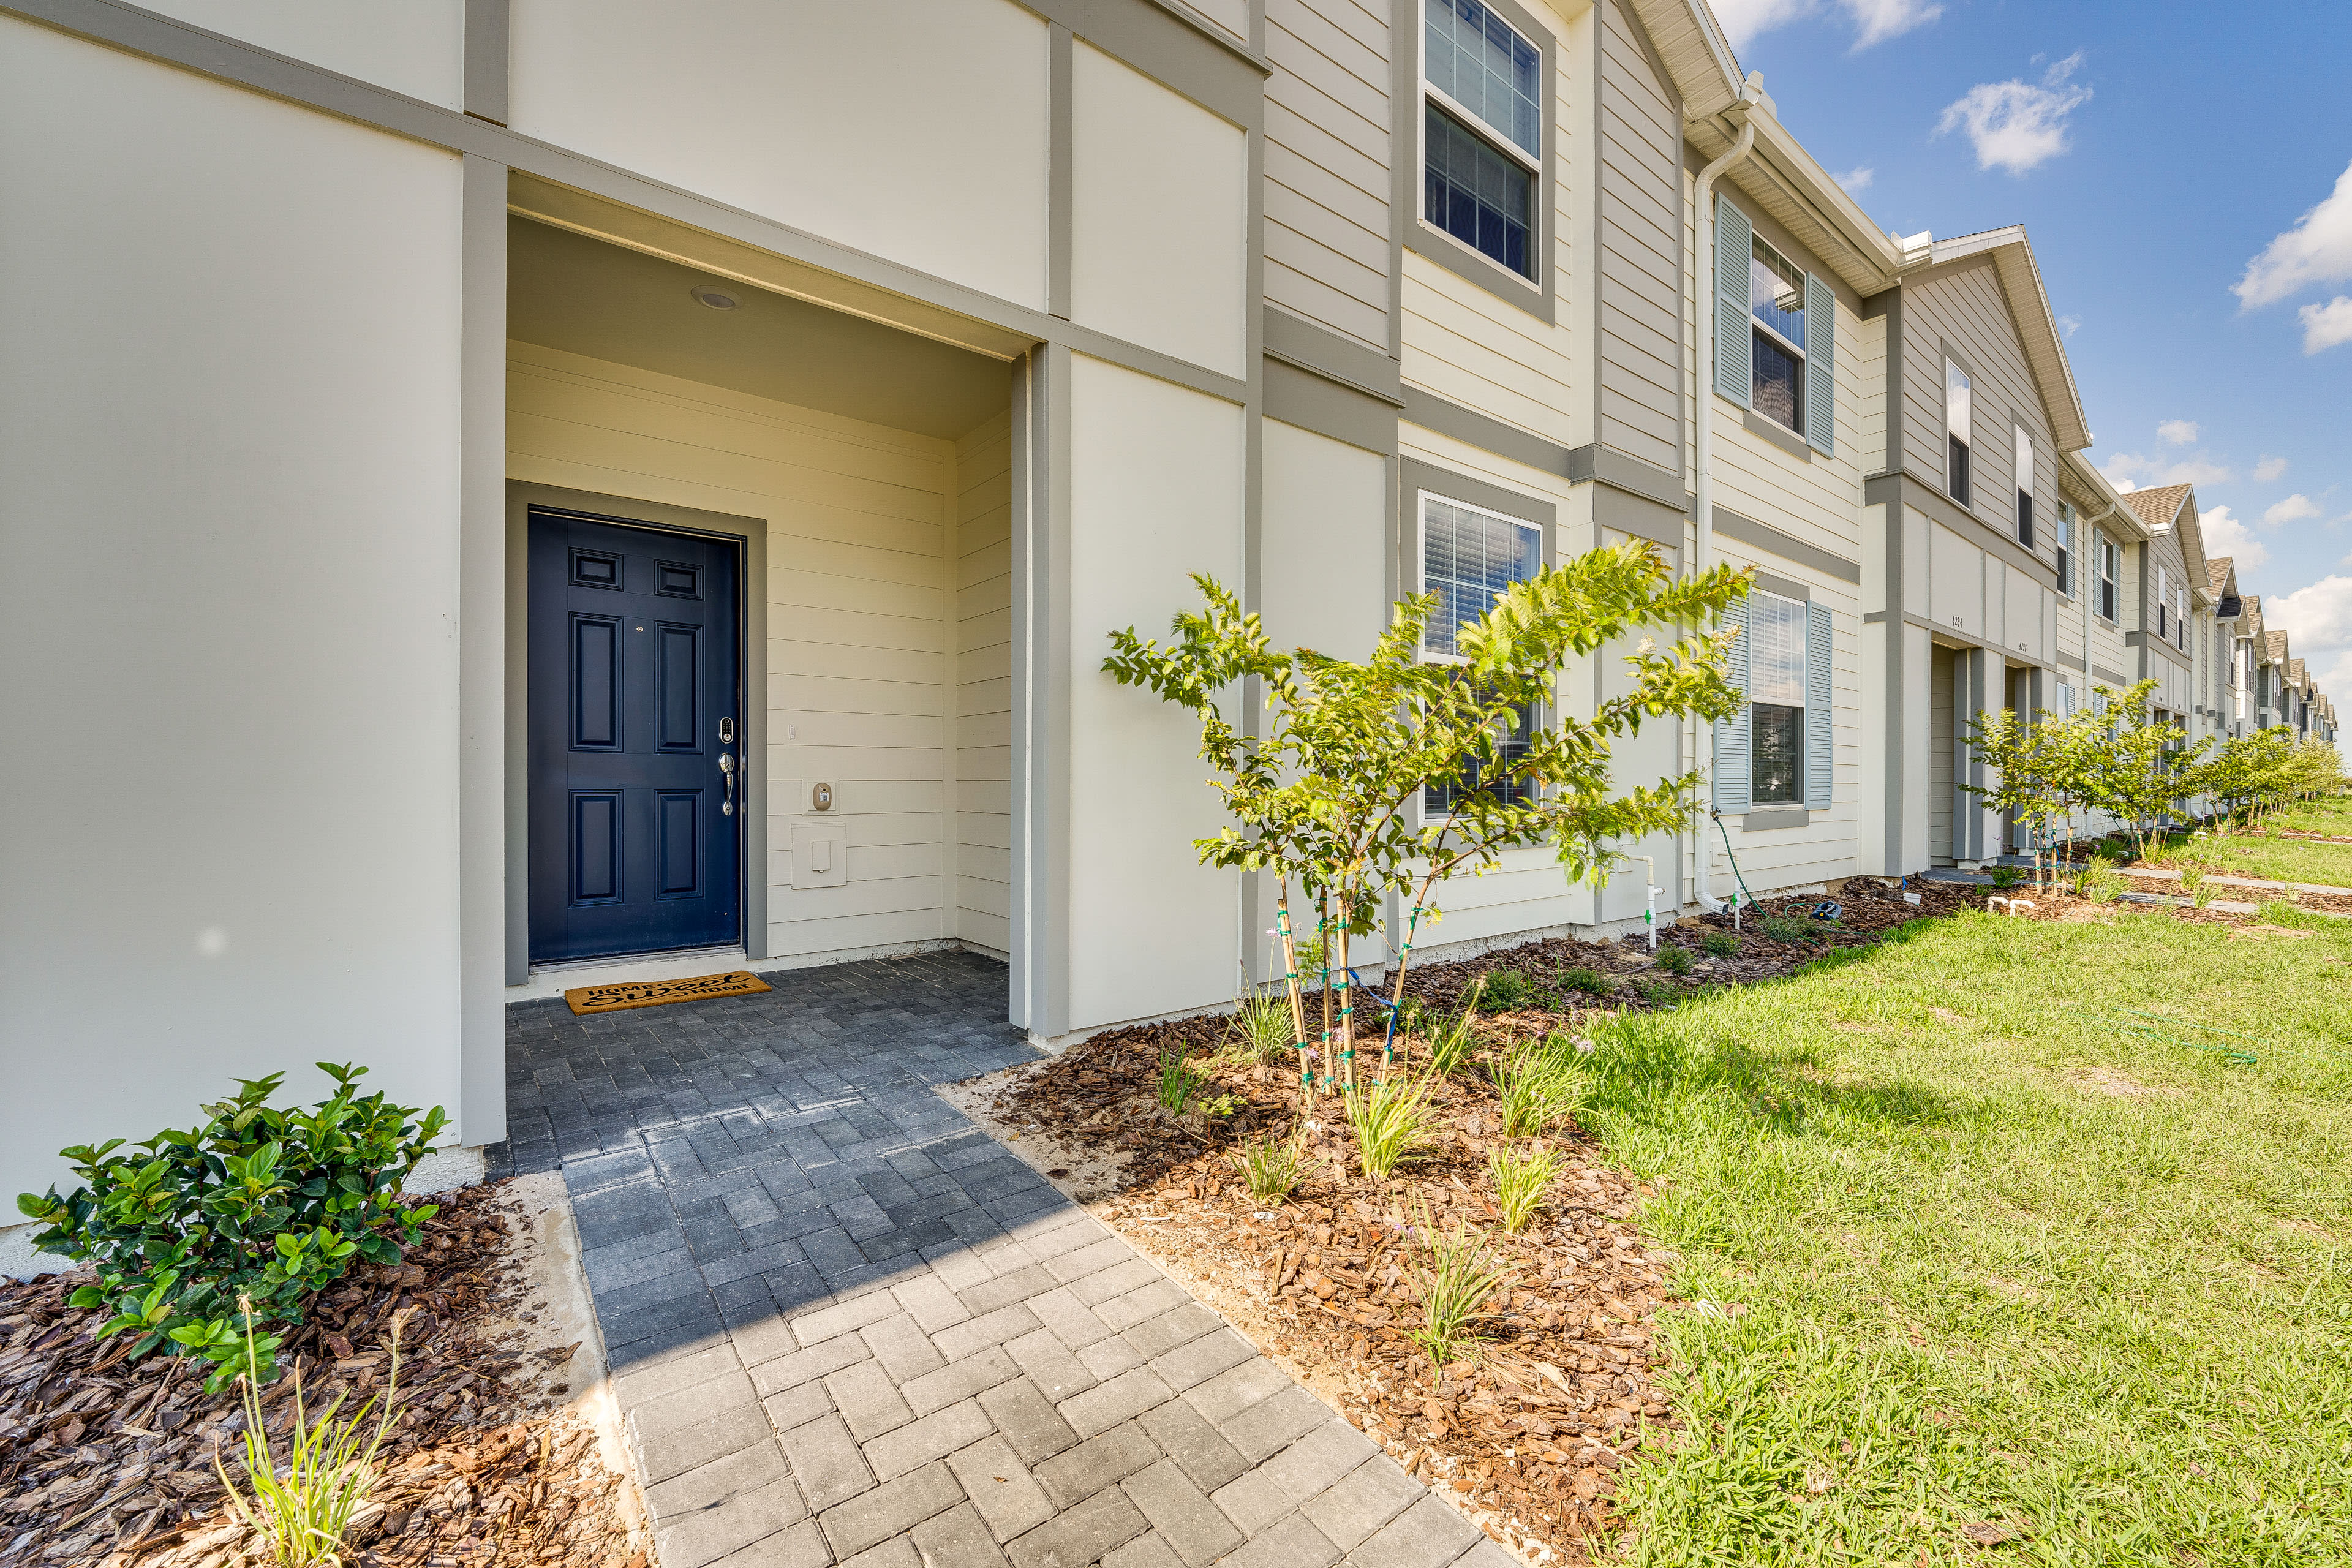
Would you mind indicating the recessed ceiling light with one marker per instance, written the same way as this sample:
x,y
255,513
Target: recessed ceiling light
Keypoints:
x,y
717,299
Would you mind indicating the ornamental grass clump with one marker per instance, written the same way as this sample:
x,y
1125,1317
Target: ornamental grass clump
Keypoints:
x,y
1268,1167
1392,1122
1180,1081
2101,884
1262,1028
302,1512
1539,1085
1523,1179
1452,1037
258,1204
1460,1277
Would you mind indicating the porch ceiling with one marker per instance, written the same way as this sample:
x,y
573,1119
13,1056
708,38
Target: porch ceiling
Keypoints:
x,y
568,292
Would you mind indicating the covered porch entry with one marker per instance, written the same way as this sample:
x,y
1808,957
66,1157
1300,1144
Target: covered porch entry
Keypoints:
x,y
759,588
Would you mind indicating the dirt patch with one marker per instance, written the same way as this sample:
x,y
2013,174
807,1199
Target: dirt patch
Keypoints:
x,y
2109,1081
501,1452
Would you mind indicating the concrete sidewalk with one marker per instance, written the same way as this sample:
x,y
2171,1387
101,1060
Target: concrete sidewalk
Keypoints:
x,y
845,1325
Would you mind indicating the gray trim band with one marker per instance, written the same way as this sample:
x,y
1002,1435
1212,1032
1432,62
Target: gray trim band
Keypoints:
x,y
1327,408
988,325
1630,474
1770,539
1328,354
1775,433
2143,641
1165,43
2070,661
483,684
1061,163
1785,587
485,92
2110,677
1639,516
1432,412
1776,820
1878,490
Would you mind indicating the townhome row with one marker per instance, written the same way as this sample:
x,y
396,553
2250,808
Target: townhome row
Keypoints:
x,y
527,492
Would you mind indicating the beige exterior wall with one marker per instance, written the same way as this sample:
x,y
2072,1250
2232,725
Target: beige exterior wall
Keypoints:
x,y
1327,151
864,613
983,753
1643,253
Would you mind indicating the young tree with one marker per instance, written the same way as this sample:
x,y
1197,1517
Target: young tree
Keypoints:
x,y
2038,773
2139,770
2243,772
1330,793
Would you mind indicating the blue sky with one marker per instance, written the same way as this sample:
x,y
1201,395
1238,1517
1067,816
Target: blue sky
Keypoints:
x,y
2163,159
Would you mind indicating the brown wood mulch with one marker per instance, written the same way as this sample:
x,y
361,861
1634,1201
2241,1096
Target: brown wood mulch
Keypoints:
x,y
107,1461
1528,1430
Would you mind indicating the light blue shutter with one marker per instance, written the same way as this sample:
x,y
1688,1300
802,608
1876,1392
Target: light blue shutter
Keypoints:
x,y
1735,248
1820,365
1818,713
1735,776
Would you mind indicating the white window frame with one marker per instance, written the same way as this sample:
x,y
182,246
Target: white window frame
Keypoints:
x,y
1804,610
2069,566
1779,340
2021,445
1966,439
2108,572
1530,163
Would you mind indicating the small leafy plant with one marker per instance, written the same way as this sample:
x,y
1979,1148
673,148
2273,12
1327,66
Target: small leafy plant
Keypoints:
x,y
1788,928
1538,1085
2195,882
2005,876
258,1204
1268,1167
1720,943
1659,992
1391,1120
1180,1081
1590,981
1674,959
302,1513
1462,1277
1523,1177
1505,990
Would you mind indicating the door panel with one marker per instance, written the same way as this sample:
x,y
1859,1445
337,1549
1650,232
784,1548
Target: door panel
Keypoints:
x,y
635,838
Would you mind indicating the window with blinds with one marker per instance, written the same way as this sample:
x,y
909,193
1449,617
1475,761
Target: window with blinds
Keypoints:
x,y
1468,556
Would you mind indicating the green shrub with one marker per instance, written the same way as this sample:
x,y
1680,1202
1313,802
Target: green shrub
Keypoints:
x,y
1591,982
259,1202
1505,990
1522,1179
1461,1277
1788,928
1720,943
1391,1122
2005,876
1268,1167
1674,959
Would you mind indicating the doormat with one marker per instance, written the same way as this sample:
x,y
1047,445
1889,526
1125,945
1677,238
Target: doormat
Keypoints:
x,y
656,993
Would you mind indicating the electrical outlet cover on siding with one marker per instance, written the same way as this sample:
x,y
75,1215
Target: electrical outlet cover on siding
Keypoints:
x,y
914,130
1159,218
819,858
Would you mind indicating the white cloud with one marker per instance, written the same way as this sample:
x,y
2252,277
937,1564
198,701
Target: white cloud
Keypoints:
x,y
2130,470
1856,181
2324,326
2270,469
2227,535
2072,324
2317,249
2294,509
2176,432
2019,125
2317,621
1875,21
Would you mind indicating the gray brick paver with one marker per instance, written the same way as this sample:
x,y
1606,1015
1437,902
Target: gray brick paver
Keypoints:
x,y
847,1328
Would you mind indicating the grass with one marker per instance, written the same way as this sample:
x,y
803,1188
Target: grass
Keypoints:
x,y
1462,1277
1523,1179
1261,1029
1977,1258
2332,815
301,1512
1539,1085
1180,1081
2279,860
1268,1167
1504,990
1451,1036
1392,1122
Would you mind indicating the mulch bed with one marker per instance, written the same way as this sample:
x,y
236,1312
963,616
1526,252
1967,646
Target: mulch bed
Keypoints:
x,y
1529,1431
104,1459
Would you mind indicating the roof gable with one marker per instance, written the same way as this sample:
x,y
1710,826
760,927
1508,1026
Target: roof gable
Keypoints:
x,y
2037,324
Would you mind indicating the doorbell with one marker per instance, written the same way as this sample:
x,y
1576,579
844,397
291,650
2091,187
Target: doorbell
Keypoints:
x,y
820,796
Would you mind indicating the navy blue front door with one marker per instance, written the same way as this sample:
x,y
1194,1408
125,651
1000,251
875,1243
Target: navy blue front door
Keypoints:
x,y
636,756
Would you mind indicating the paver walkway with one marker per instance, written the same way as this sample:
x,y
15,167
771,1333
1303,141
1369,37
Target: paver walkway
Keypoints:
x,y
846,1326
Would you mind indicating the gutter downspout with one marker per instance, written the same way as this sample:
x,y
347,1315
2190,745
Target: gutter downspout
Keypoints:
x,y
1751,93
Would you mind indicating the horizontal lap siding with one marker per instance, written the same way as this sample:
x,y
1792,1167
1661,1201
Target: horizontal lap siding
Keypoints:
x,y
858,595
1968,309
1641,284
1326,166
984,686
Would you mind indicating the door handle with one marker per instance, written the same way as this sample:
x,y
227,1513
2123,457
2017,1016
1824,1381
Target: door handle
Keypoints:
x,y
727,767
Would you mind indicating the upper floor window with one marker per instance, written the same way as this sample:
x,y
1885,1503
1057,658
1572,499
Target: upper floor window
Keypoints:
x,y
2108,564
2025,448
1776,298
2163,602
2066,549
2181,618
1956,394
1467,558
1483,131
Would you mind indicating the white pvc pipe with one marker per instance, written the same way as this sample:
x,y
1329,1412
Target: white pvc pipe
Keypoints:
x,y
1703,437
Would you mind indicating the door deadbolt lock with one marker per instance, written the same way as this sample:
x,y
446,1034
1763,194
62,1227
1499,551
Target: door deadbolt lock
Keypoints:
x,y
820,797
727,732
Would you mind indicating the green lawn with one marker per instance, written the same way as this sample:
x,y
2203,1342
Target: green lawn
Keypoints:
x,y
2281,859
1991,1261
2333,815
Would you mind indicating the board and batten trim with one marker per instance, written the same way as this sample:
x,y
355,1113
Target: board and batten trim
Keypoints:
x,y
1407,101
1327,354
484,916
823,271
1770,539
1910,490
751,533
1331,408
487,53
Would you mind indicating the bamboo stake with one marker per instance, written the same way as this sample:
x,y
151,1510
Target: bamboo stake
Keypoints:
x,y
1297,1003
